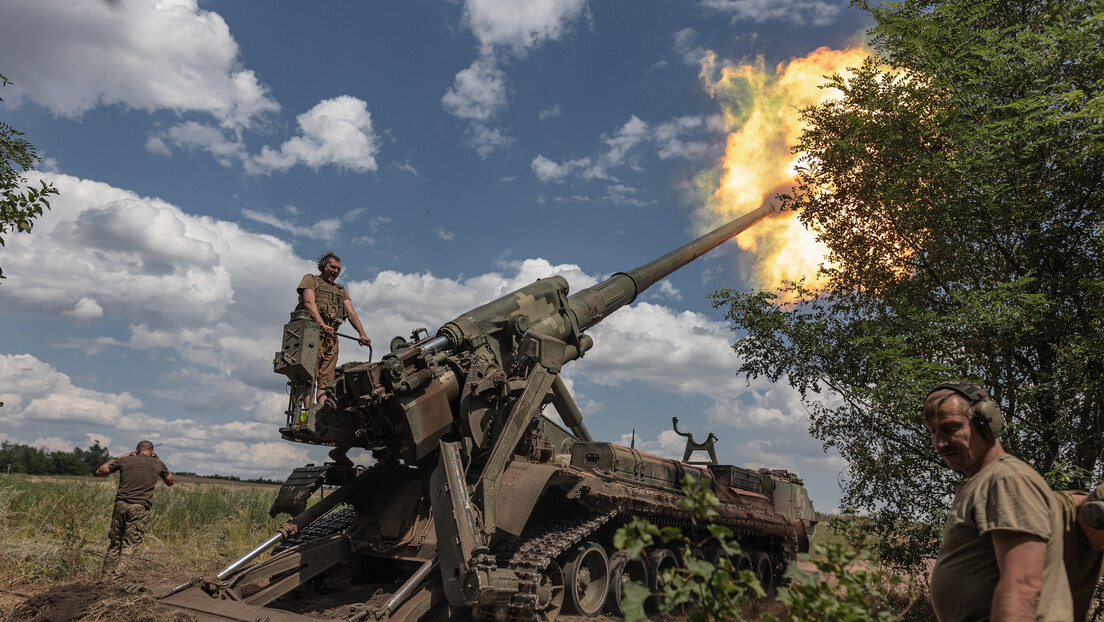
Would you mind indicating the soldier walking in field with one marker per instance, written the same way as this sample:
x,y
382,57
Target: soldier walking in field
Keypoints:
x,y
138,474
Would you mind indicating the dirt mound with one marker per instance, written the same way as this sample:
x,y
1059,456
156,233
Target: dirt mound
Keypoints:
x,y
101,601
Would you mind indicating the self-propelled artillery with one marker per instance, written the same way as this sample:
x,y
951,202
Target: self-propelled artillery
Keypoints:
x,y
476,502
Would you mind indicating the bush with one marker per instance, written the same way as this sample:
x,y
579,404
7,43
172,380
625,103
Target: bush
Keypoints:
x,y
849,585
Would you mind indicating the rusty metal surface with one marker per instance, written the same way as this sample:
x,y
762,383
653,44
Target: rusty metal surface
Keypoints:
x,y
204,608
421,605
428,418
607,490
521,486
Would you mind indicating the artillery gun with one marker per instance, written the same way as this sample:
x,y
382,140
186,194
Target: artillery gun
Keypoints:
x,y
476,502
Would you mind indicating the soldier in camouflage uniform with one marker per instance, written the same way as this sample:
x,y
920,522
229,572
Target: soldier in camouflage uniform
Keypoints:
x,y
328,304
138,474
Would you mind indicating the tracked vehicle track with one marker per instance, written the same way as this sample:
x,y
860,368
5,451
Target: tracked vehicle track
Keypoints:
x,y
334,522
530,556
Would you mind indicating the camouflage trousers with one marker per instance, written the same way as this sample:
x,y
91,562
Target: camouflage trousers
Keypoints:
x,y
128,526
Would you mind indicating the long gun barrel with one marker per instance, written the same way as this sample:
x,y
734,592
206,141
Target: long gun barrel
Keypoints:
x,y
594,303
545,308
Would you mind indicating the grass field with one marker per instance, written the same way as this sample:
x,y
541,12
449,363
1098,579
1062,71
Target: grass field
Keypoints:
x,y
54,529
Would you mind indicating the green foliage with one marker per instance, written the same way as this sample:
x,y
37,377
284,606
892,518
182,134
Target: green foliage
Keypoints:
x,y
848,585
1066,476
20,202
16,458
702,590
956,184
94,456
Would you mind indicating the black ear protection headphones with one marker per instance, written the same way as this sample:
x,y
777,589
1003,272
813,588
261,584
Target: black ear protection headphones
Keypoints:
x,y
987,414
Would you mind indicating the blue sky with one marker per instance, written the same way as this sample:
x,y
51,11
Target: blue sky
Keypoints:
x,y
450,152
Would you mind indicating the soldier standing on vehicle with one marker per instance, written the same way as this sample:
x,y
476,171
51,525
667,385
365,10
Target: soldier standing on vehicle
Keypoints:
x,y
138,474
1083,516
1001,555
328,304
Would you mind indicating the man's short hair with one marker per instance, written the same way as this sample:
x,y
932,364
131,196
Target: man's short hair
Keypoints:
x,y
145,446
935,400
326,258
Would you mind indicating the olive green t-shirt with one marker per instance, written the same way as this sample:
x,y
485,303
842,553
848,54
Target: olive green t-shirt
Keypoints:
x,y
138,475
1006,495
1083,564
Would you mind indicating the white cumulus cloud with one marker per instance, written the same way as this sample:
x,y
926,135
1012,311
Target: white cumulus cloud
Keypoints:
x,y
816,12
505,30
143,54
85,310
520,25
625,150
33,391
478,93
336,132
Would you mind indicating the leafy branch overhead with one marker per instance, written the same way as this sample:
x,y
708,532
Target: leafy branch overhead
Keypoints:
x,y
958,185
20,201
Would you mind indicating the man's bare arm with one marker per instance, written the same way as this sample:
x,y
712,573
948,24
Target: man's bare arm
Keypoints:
x,y
1020,558
311,304
105,469
354,319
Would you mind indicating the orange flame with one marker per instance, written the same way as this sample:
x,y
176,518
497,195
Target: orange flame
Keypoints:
x,y
763,108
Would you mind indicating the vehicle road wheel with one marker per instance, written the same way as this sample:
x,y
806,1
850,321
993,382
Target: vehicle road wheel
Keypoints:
x,y
659,560
714,556
586,580
741,563
550,592
623,570
764,571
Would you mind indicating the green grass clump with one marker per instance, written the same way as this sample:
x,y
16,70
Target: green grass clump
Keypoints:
x,y
54,529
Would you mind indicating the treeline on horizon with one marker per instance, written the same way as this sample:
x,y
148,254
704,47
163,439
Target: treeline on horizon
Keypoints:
x,y
19,458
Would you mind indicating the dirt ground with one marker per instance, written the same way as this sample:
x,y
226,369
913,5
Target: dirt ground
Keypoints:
x,y
136,601
93,601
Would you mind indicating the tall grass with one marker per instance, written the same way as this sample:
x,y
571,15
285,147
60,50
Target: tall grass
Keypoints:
x,y
54,529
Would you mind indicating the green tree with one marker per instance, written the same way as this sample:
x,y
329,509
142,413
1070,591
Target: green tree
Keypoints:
x,y
20,202
67,463
958,184
18,458
94,456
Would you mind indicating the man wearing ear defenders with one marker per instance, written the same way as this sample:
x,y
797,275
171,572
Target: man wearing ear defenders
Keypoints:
x,y
1001,556
1083,517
